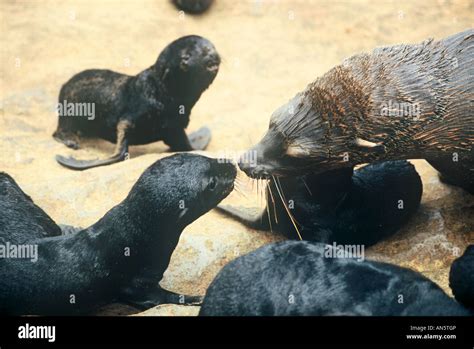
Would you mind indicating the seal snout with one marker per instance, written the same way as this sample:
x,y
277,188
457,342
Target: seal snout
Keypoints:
x,y
252,168
227,174
212,60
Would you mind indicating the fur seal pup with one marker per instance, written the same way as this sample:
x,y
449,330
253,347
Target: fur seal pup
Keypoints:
x,y
193,6
343,206
461,278
120,258
299,278
151,106
398,102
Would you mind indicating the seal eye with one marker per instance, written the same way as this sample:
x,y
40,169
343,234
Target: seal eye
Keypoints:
x,y
212,183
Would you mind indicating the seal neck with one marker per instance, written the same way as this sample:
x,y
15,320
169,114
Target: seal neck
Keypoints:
x,y
183,91
131,233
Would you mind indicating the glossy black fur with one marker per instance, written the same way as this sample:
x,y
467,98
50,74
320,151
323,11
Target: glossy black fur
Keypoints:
x,y
296,278
92,264
461,278
193,6
343,206
151,106
15,206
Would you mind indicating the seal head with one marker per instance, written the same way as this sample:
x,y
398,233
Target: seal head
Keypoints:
x,y
187,66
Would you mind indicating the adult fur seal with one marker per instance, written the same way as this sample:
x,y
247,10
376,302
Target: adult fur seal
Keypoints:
x,y
344,206
151,106
399,102
123,256
303,278
461,278
193,6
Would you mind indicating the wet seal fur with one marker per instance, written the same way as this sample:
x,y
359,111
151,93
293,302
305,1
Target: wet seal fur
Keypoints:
x,y
152,106
342,205
296,278
92,264
193,6
346,117
461,278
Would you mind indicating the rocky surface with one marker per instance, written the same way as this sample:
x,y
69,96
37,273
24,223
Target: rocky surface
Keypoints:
x,y
270,51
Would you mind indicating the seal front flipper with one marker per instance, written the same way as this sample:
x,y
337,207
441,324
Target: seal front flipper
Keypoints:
x,y
151,297
120,154
179,141
259,222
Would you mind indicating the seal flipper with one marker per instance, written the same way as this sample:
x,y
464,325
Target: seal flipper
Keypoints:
x,y
259,222
68,143
179,141
120,154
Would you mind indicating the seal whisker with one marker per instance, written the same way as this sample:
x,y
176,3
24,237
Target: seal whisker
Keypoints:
x,y
268,214
286,207
306,185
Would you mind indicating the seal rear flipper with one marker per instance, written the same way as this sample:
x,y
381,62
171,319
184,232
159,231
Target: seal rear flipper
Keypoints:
x,y
149,298
120,154
259,222
80,165
67,142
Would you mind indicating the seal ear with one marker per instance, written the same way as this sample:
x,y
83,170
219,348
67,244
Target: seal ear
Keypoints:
x,y
370,147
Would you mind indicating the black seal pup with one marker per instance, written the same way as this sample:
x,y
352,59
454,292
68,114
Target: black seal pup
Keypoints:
x,y
398,102
120,258
193,6
461,278
344,206
151,106
304,278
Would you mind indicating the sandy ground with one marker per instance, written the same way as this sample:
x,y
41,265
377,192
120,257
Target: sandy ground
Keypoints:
x,y
270,51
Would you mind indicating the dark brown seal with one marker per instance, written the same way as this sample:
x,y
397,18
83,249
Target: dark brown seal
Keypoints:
x,y
398,102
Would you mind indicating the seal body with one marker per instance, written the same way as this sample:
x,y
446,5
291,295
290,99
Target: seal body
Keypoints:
x,y
15,206
344,206
398,102
461,278
151,106
193,6
302,278
120,258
